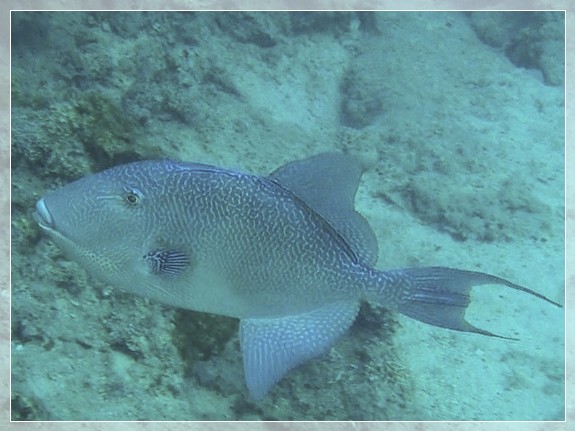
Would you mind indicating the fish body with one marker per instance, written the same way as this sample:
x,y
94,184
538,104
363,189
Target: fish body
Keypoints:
x,y
285,253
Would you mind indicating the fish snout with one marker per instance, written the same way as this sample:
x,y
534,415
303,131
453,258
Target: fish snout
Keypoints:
x,y
43,216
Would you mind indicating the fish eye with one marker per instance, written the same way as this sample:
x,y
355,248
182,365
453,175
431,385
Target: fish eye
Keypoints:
x,y
133,196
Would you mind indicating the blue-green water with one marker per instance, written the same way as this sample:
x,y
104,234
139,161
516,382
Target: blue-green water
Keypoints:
x,y
459,121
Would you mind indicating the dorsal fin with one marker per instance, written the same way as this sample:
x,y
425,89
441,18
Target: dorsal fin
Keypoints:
x,y
327,183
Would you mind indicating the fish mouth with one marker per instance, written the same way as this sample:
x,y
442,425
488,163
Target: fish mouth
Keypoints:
x,y
43,216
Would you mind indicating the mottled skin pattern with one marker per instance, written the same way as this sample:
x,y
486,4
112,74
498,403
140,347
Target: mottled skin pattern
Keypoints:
x,y
219,241
255,249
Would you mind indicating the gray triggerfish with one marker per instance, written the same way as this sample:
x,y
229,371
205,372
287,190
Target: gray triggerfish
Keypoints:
x,y
286,254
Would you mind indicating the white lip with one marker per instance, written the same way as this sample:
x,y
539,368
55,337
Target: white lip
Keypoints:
x,y
43,216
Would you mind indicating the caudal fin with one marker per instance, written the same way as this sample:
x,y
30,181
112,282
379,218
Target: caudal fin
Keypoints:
x,y
440,296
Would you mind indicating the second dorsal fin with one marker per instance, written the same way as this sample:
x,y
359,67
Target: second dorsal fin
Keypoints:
x,y
327,183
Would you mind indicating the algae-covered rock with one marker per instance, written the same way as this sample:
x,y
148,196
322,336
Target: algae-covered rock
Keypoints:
x,y
533,40
102,127
198,336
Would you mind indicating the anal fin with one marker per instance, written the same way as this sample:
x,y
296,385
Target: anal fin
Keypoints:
x,y
273,346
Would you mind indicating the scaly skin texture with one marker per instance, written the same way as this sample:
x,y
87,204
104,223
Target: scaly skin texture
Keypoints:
x,y
288,263
254,248
234,244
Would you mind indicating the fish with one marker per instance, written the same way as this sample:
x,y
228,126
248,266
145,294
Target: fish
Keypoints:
x,y
286,253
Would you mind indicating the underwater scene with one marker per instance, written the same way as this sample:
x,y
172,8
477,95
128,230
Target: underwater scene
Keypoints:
x,y
444,129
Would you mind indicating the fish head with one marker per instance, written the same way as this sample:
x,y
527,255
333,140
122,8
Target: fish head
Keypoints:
x,y
106,221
